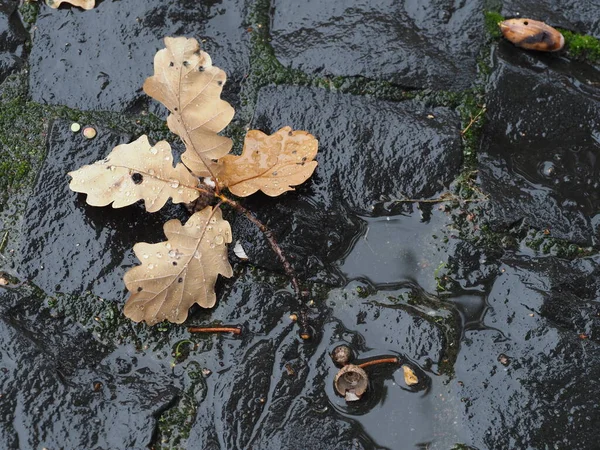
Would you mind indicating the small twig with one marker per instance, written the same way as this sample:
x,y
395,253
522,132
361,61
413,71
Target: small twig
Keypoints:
x,y
234,330
473,120
448,197
287,267
3,243
373,362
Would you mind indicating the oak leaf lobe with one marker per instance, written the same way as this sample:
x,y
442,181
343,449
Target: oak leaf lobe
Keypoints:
x,y
187,83
181,271
270,163
135,171
84,4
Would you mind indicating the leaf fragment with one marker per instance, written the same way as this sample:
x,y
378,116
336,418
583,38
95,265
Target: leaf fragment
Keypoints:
x,y
270,163
136,171
181,271
85,4
410,378
187,83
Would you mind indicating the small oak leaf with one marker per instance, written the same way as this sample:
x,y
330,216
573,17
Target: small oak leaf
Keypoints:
x,y
272,164
85,4
187,83
136,171
181,271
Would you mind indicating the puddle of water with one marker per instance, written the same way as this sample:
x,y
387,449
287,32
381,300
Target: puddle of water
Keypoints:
x,y
399,249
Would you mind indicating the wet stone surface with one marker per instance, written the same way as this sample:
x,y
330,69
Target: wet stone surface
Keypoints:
x,y
415,43
12,38
539,159
69,246
370,153
69,67
538,353
575,15
273,385
503,343
59,385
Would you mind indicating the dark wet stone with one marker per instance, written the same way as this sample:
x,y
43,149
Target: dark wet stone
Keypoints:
x,y
413,43
580,16
370,152
380,257
99,59
69,246
278,390
387,324
59,385
12,38
539,158
533,369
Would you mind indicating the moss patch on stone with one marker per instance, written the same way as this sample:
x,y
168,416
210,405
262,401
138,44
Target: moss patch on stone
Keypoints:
x,y
492,19
266,70
29,10
582,47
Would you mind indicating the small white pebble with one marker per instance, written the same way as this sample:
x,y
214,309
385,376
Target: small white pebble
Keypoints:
x,y
75,127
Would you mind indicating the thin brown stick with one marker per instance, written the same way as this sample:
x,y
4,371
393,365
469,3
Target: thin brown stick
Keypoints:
x,y
305,332
373,362
440,200
234,330
287,267
473,120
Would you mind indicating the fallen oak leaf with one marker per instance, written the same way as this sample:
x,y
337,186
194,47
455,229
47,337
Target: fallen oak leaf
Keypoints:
x,y
187,83
181,271
270,163
85,4
136,171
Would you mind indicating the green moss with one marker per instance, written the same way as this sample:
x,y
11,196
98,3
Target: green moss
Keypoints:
x,y
581,47
544,244
492,19
472,114
175,423
29,11
22,130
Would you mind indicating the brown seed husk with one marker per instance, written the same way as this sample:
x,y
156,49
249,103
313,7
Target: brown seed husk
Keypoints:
x,y
532,35
351,382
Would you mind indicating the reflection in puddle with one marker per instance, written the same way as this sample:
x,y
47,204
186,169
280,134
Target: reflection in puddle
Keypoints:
x,y
398,249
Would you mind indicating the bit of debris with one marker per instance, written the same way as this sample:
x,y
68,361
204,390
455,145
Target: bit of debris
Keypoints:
x,y
409,376
503,359
351,382
239,251
89,132
341,355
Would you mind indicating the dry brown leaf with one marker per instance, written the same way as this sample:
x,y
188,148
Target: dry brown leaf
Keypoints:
x,y
85,4
133,172
272,164
187,83
181,271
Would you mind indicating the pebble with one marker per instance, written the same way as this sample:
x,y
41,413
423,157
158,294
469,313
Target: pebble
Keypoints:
x,y
75,127
89,132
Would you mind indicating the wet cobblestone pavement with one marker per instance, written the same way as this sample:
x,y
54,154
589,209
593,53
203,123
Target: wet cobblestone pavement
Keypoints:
x,y
452,223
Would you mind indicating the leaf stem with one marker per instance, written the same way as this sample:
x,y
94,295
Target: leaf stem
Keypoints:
x,y
287,267
373,362
234,330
